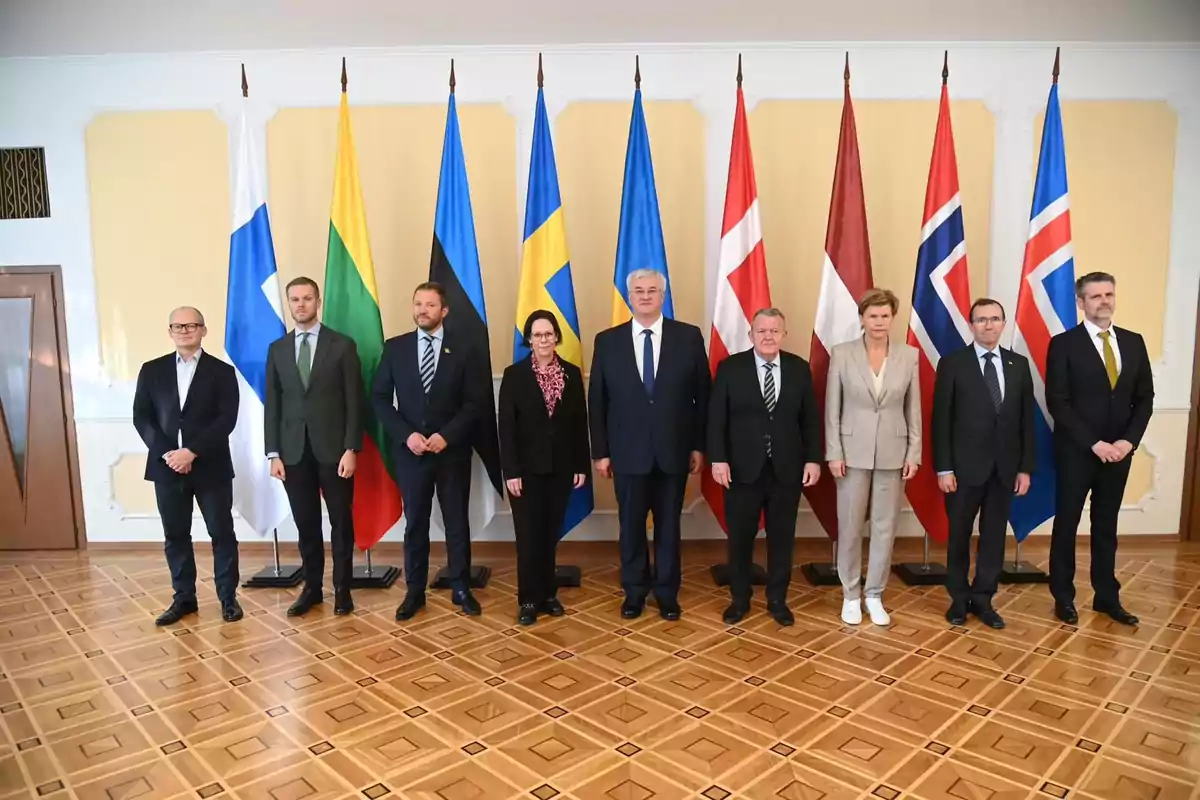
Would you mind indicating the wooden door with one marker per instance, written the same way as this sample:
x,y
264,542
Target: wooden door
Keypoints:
x,y
39,487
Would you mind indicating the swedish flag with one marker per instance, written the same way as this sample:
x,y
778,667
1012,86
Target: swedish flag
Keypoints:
x,y
546,272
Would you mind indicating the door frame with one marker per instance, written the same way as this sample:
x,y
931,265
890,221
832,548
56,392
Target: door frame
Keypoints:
x,y
1189,511
64,372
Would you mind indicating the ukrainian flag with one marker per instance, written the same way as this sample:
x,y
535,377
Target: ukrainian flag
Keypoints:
x,y
546,273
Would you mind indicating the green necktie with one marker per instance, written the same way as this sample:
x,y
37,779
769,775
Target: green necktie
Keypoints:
x,y
304,363
1110,359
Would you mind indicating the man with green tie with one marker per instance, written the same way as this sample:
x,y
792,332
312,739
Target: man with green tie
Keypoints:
x,y
314,431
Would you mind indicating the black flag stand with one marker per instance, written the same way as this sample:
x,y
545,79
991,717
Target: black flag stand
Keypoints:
x,y
277,576
1018,571
923,574
368,576
823,573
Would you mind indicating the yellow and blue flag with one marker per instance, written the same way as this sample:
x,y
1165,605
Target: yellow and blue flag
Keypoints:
x,y
545,281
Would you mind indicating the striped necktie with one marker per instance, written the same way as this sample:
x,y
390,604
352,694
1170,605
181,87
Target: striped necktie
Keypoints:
x,y
427,364
769,397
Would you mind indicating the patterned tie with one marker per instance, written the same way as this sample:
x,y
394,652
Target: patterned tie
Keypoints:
x,y
769,396
304,362
1110,359
992,380
427,364
648,362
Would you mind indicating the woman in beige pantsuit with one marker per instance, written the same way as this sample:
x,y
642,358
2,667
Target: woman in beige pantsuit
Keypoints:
x,y
873,445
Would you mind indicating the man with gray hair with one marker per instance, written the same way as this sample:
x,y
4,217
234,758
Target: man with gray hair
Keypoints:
x,y
648,401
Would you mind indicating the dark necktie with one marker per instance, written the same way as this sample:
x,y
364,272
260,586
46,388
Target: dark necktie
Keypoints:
x,y
304,360
648,362
427,364
992,380
769,397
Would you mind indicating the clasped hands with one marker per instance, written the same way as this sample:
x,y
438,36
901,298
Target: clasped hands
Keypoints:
x,y
1112,453
180,460
420,445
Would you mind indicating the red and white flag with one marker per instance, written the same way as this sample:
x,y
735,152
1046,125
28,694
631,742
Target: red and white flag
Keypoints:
x,y
845,277
742,286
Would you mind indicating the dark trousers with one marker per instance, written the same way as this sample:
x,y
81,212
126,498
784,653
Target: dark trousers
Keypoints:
x,y
991,502
306,482
745,504
1078,475
537,521
418,477
638,495
175,499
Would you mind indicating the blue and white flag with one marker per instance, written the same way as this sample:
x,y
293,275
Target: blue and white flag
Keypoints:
x,y
253,319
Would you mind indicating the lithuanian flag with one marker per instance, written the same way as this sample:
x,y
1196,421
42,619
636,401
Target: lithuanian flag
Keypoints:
x,y
352,308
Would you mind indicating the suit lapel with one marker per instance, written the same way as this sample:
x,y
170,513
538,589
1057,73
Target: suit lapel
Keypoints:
x,y
1127,357
292,369
319,357
664,351
627,349
443,364
535,389
892,370
1012,378
197,376
863,367
171,376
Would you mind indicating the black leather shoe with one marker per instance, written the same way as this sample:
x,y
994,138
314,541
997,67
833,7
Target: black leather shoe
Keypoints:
x,y
782,615
988,616
413,602
231,611
1117,612
175,612
342,603
553,607
304,602
527,614
632,608
669,610
735,613
467,602
956,614
1066,612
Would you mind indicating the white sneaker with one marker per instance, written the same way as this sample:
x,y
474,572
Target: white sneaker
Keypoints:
x,y
875,609
851,612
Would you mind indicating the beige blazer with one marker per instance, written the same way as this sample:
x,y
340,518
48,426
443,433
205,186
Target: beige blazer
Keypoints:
x,y
870,433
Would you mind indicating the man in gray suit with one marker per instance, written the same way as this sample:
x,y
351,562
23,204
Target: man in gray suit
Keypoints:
x,y
313,435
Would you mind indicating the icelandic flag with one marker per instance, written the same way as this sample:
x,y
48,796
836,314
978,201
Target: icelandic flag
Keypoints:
x,y
545,281
1045,306
941,303
253,319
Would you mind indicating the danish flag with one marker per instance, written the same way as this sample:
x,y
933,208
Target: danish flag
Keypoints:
x,y
941,303
1045,304
742,286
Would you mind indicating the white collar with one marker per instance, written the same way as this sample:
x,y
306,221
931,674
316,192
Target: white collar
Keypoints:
x,y
441,329
980,350
1094,330
655,326
313,331
759,360
195,358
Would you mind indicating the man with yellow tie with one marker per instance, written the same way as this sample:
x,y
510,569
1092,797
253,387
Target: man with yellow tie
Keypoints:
x,y
1100,393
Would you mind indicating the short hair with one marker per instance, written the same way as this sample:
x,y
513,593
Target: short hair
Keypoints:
x,y
645,272
879,297
541,313
303,281
432,286
188,308
768,312
986,301
1093,277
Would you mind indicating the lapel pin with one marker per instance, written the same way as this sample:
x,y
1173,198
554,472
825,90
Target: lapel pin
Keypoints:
x,y
445,349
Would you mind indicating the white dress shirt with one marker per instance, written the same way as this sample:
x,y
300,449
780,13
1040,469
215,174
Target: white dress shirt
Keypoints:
x,y
439,336
777,374
980,352
313,333
655,341
1094,332
185,370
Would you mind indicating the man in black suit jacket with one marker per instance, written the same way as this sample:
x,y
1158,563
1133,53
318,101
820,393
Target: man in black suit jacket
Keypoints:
x,y
185,407
313,434
431,396
764,442
649,407
983,451
1100,392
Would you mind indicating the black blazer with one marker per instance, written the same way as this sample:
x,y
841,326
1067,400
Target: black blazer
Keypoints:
x,y
455,406
969,438
328,413
635,431
206,419
531,441
738,420
1085,408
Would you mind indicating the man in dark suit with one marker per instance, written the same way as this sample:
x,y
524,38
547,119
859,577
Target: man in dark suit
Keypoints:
x,y
313,435
983,451
431,395
185,407
648,402
1100,392
764,442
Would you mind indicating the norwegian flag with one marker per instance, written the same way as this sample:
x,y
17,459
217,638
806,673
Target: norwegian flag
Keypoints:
x,y
941,303
1045,304
742,286
845,277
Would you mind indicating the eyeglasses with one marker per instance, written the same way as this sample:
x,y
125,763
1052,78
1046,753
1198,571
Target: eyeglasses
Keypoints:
x,y
543,337
185,327
651,292
989,320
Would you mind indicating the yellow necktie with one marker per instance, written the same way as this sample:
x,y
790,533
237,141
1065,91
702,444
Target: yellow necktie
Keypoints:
x,y
1110,359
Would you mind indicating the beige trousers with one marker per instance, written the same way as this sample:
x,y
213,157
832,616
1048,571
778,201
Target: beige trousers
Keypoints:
x,y
878,490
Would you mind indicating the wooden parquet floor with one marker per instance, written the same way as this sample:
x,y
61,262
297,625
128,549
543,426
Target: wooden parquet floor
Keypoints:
x,y
97,703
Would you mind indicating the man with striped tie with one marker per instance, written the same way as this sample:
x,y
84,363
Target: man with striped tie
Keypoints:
x,y
430,393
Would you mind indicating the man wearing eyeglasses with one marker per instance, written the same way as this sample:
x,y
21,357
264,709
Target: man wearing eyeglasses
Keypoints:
x,y
983,451
185,408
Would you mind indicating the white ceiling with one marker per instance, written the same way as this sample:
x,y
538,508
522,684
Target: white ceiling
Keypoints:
x,y
59,27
